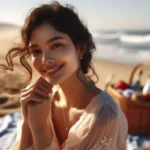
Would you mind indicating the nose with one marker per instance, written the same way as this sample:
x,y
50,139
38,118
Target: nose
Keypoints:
x,y
47,58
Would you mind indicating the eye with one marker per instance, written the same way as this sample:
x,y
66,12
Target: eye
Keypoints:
x,y
57,45
35,52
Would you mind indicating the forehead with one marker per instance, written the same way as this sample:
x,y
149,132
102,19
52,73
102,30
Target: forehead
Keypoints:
x,y
44,32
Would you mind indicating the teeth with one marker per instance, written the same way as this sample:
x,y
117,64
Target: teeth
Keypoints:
x,y
52,70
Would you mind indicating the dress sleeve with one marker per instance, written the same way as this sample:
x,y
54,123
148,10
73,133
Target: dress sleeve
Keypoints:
x,y
109,132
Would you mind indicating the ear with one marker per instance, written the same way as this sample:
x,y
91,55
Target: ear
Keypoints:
x,y
81,49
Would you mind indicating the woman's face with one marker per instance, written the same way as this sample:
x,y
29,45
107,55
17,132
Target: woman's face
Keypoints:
x,y
53,54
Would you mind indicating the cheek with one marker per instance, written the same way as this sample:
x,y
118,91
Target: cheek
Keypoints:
x,y
70,57
36,63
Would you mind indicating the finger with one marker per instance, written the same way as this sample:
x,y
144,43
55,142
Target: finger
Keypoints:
x,y
45,103
43,81
32,103
33,84
27,88
43,88
25,100
33,97
40,89
41,92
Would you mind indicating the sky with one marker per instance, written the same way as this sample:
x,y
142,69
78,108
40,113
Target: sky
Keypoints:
x,y
97,14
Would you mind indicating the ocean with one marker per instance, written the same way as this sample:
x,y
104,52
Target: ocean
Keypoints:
x,y
126,47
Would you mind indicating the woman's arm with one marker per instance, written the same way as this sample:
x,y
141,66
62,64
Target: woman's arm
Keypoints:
x,y
42,139
35,103
25,140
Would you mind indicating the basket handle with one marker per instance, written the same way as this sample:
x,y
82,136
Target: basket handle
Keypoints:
x,y
135,69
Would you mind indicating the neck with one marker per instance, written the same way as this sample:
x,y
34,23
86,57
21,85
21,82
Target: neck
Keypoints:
x,y
73,91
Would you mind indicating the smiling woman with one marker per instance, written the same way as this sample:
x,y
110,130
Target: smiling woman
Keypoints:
x,y
63,109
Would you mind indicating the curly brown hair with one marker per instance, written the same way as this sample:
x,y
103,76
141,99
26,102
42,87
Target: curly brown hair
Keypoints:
x,y
62,18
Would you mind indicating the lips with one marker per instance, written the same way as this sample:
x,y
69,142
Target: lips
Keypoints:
x,y
56,69
50,68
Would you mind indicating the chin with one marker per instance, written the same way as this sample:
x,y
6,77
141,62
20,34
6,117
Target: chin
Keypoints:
x,y
55,81
62,80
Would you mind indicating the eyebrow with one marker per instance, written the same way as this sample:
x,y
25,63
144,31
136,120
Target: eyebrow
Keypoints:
x,y
48,41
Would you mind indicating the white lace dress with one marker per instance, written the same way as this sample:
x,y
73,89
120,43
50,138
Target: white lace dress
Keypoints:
x,y
102,126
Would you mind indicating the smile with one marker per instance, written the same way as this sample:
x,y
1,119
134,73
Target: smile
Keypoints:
x,y
54,71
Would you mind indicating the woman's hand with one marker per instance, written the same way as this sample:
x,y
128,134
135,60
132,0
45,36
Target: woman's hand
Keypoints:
x,y
35,102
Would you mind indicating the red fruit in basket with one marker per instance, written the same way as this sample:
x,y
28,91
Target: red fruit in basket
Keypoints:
x,y
147,96
122,85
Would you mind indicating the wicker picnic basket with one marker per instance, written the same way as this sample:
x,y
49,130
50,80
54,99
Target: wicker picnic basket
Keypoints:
x,y
136,112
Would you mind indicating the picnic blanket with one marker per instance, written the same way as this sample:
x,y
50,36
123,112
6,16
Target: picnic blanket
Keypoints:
x,y
8,133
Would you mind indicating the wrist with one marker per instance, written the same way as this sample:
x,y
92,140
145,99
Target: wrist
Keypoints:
x,y
44,126
41,130
26,129
42,138
25,125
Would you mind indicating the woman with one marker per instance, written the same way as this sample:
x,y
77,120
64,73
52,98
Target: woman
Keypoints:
x,y
63,109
